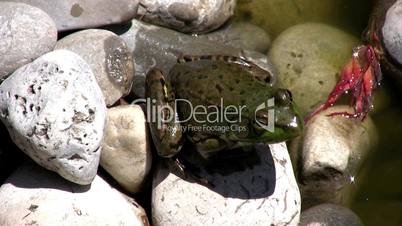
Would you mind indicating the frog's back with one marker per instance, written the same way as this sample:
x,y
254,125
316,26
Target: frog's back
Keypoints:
x,y
211,82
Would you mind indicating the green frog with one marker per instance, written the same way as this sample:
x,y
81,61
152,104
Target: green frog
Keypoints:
x,y
219,104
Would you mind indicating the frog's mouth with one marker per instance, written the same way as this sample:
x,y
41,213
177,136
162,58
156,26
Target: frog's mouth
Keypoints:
x,y
289,120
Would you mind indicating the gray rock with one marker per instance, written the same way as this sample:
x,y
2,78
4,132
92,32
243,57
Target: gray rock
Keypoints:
x,y
126,153
329,215
158,47
330,153
54,111
25,33
309,58
392,31
187,16
71,14
34,196
109,58
241,35
259,191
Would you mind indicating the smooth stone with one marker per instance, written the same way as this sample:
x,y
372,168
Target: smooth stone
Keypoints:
x,y
330,154
187,16
54,111
26,33
126,153
158,47
392,31
264,192
309,59
34,196
275,16
329,215
241,35
71,14
109,58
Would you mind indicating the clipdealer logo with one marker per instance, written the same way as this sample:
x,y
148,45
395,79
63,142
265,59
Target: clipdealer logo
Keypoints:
x,y
163,114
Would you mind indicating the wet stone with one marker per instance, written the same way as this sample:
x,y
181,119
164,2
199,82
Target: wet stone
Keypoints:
x,y
309,58
157,47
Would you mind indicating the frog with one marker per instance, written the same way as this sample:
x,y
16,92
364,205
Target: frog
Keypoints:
x,y
210,86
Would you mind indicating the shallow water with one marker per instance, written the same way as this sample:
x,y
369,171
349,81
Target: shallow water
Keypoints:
x,y
378,197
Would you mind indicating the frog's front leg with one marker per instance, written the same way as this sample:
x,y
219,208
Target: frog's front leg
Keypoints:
x,y
164,124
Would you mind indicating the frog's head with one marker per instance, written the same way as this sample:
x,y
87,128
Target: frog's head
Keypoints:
x,y
278,119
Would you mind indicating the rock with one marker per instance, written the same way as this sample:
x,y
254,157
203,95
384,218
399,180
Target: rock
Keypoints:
x,y
264,192
71,14
392,31
25,33
126,153
187,16
241,35
309,58
275,16
54,111
34,196
330,153
157,47
109,58
329,215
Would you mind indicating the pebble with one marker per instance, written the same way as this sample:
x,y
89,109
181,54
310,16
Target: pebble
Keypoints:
x,y
330,154
126,153
26,33
72,14
309,59
329,215
158,47
54,111
187,16
34,196
262,191
109,58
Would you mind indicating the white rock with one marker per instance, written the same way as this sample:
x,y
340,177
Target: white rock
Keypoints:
x,y
54,111
34,196
126,153
26,33
109,58
187,16
392,31
265,193
330,154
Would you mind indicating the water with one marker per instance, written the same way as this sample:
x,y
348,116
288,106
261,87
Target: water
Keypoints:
x,y
378,191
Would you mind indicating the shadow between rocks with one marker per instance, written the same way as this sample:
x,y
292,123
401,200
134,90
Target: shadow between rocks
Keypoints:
x,y
32,176
251,176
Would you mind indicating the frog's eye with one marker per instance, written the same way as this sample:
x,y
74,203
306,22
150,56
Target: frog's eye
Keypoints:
x,y
284,97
